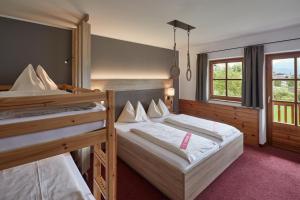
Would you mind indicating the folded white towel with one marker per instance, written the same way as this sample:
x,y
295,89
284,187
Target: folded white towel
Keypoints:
x,y
212,128
186,145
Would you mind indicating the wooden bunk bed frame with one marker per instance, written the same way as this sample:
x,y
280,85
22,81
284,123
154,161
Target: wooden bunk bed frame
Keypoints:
x,y
102,141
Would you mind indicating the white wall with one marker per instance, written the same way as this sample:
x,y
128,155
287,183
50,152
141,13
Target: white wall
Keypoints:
x,y
187,89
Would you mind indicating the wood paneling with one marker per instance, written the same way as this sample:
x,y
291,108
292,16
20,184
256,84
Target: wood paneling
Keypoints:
x,y
245,119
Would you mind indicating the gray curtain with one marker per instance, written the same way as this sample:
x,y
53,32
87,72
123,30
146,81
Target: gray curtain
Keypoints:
x,y
201,84
252,87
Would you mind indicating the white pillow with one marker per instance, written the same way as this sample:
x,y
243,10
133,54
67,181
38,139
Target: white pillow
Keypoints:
x,y
28,80
140,114
163,108
153,110
47,81
128,113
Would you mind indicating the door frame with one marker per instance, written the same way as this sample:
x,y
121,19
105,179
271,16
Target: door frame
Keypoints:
x,y
269,87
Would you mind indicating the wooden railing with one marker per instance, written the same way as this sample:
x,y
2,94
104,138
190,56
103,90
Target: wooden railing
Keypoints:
x,y
284,112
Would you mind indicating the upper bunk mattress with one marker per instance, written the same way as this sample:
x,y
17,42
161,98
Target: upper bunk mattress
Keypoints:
x,y
55,178
11,143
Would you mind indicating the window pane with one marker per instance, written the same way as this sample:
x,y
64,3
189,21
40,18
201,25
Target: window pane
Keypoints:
x,y
219,71
234,88
234,70
219,88
284,91
283,68
298,66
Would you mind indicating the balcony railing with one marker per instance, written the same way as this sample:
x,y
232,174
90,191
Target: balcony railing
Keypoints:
x,y
284,112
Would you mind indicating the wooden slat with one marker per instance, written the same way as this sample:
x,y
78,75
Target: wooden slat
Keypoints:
x,y
111,151
50,100
100,154
102,186
5,87
285,114
23,128
245,119
293,113
48,149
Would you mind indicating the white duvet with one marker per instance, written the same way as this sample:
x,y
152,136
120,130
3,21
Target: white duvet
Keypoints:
x,y
48,179
212,128
186,145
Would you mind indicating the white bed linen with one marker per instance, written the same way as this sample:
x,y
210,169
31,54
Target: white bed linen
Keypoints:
x,y
188,146
124,133
11,143
55,178
216,129
221,143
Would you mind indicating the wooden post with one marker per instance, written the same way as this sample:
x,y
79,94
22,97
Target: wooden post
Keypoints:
x,y
111,147
74,56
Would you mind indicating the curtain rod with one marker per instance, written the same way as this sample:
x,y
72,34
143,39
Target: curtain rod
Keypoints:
x,y
254,44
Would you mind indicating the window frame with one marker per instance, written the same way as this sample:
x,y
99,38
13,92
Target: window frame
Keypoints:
x,y
211,79
296,79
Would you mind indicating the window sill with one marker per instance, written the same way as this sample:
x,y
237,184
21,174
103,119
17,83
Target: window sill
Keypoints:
x,y
225,102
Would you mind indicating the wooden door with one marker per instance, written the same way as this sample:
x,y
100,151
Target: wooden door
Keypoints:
x,y
283,100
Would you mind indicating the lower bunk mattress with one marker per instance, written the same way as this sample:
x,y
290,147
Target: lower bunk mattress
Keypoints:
x,y
54,178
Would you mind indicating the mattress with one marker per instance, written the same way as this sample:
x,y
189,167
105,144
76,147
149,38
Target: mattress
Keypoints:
x,y
124,134
52,178
11,143
221,143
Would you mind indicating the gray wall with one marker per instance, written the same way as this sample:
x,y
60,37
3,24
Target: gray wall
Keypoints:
x,y
22,43
117,59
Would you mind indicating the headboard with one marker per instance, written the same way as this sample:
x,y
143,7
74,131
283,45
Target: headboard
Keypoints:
x,y
144,96
143,90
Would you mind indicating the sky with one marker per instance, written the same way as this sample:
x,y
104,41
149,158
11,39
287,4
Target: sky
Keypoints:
x,y
285,66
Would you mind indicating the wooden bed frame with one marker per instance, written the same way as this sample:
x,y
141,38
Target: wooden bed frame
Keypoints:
x,y
170,180
103,141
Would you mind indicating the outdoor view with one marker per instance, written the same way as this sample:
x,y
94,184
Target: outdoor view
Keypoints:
x,y
227,85
284,84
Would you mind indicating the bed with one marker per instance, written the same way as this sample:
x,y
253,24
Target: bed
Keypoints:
x,y
35,127
172,175
52,178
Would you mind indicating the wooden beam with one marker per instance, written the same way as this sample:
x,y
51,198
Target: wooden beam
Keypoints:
x,y
50,100
112,148
74,56
5,87
85,18
48,149
23,128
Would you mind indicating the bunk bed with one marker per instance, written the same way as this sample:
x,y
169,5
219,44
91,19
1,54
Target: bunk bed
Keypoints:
x,y
102,140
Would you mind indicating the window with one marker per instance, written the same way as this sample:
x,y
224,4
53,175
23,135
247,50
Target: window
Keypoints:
x,y
226,79
285,92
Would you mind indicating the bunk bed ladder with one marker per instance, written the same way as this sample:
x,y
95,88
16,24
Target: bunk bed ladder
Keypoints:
x,y
104,160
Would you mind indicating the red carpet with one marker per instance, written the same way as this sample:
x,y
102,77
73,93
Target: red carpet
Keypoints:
x,y
259,174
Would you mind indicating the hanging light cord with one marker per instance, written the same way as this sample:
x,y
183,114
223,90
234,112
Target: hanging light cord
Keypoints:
x,y
188,71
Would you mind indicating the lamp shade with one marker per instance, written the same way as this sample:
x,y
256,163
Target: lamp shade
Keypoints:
x,y
170,92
